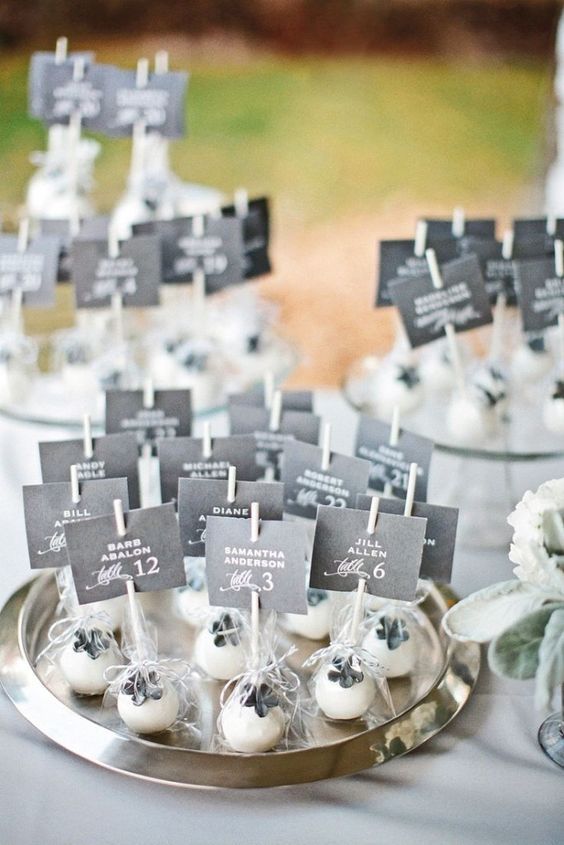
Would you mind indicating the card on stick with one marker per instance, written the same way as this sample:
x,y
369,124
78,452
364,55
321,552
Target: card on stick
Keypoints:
x,y
164,414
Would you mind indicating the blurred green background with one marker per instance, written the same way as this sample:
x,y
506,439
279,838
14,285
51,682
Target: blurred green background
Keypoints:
x,y
350,146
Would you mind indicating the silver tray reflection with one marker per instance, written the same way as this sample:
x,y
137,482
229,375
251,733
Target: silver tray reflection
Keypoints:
x,y
425,705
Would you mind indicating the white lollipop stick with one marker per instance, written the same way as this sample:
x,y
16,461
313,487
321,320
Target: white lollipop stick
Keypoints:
x,y
136,627
410,495
161,61
450,333
388,490
269,474
198,226
231,484
458,222
420,238
269,387
254,522
78,68
87,437
559,257
207,441
75,486
23,235
117,311
357,611
496,344
16,302
275,411
61,50
148,394
551,224
255,628
395,427
326,448
373,514
74,222
145,466
507,245
241,198
142,74
561,341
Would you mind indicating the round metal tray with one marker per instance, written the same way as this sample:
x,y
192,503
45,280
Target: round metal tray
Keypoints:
x,y
425,704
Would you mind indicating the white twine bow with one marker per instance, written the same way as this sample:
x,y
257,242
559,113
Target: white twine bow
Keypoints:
x,y
63,631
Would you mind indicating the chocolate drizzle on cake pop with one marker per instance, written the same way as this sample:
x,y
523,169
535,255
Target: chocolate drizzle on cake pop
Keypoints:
x,y
316,596
393,630
142,686
408,375
262,698
346,671
558,390
93,641
224,630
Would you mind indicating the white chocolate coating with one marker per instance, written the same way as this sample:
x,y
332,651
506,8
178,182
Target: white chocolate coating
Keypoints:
x,y
392,391
553,415
396,662
190,601
469,422
219,662
437,373
113,608
342,703
151,716
247,732
528,365
84,674
314,625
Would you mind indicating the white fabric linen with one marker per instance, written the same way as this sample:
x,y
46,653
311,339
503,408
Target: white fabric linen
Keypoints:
x,y
482,781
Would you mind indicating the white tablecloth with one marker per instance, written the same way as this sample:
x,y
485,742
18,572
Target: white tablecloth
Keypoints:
x,y
483,780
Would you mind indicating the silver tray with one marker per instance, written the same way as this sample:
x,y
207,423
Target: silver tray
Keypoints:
x,y
425,705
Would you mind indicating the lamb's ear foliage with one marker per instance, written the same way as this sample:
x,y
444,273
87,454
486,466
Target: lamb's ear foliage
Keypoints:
x,y
515,652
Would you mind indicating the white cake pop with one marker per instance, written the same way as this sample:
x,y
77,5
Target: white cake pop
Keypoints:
x,y
193,598
437,372
252,720
316,623
343,689
490,384
531,361
219,650
147,702
84,661
469,420
398,385
112,608
553,409
391,643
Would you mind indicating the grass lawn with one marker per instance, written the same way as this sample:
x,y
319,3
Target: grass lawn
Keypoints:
x,y
333,141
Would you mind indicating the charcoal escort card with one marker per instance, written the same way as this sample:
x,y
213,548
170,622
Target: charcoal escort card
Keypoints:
x,y
149,553
61,229
218,252
390,464
397,260
114,456
275,564
531,238
49,507
540,292
440,534
169,416
66,93
307,484
294,400
425,310
344,551
33,271
438,229
183,457
199,498
135,273
498,272
158,105
256,236
39,64
269,445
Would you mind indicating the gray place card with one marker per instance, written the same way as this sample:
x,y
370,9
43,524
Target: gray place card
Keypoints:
x,y
218,252
397,260
183,457
294,400
64,95
39,64
135,273
114,456
256,237
441,229
498,272
294,425
34,271
440,534
199,498
49,507
159,105
540,292
170,415
307,485
390,464
275,564
425,310
389,559
150,553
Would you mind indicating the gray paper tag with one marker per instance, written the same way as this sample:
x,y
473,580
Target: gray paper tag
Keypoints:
x,y
64,95
441,229
540,292
398,261
200,498
170,416
390,464
49,507
292,400
34,271
150,553
296,425
115,456
135,273
183,457
37,87
425,310
256,236
219,252
274,565
307,485
440,534
389,559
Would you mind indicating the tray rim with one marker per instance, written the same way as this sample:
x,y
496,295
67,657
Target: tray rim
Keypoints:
x,y
73,731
